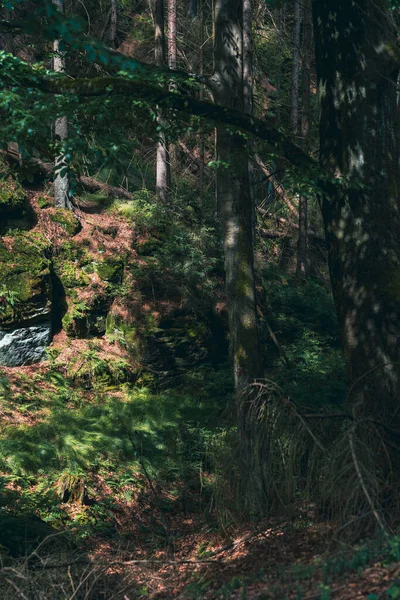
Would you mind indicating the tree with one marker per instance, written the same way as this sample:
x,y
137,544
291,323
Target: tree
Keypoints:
x,y
163,169
235,212
233,196
301,264
294,117
61,182
113,23
357,66
172,42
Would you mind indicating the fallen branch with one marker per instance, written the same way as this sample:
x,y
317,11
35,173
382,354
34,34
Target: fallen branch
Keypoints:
x,y
89,183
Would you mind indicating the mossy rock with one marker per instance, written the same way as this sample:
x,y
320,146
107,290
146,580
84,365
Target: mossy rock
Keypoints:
x,y
87,319
25,280
70,274
12,197
45,202
67,220
110,269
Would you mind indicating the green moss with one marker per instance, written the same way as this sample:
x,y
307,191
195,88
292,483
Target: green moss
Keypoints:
x,y
70,275
67,220
45,202
12,197
110,269
25,274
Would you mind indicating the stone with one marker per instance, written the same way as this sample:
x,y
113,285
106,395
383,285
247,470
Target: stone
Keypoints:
x,y
67,220
24,345
25,282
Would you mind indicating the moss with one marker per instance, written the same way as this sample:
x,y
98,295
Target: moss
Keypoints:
x,y
88,318
45,202
67,220
25,274
110,269
70,275
12,197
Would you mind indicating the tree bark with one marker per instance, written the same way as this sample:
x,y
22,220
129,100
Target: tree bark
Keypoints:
x,y
61,182
294,117
172,42
201,71
235,216
163,173
113,23
359,144
234,202
193,8
301,265
248,88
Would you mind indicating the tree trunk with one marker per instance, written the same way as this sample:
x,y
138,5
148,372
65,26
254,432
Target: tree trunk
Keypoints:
x,y
294,117
61,182
234,196
172,45
301,266
235,215
113,23
163,173
201,71
248,88
193,8
357,75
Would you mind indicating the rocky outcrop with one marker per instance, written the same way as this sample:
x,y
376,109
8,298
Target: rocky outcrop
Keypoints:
x,y
25,299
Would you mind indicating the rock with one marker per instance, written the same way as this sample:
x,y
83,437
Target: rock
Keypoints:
x,y
67,220
24,345
25,281
110,269
25,300
12,197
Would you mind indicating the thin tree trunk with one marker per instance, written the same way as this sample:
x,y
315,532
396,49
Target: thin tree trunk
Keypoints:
x,y
172,42
194,8
201,71
113,23
61,182
302,243
294,116
163,176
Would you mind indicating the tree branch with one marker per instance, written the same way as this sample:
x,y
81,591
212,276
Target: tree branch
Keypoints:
x,y
114,86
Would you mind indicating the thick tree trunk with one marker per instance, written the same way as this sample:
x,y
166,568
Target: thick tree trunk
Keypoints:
x,y
359,144
248,88
234,202
235,215
301,266
163,172
61,182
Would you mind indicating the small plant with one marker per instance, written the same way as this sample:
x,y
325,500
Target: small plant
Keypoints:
x,y
8,298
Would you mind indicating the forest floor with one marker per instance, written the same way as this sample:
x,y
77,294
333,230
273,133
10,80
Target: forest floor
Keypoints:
x,y
272,559
147,532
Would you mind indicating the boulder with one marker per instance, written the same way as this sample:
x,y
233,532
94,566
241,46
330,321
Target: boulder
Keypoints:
x,y
25,299
24,345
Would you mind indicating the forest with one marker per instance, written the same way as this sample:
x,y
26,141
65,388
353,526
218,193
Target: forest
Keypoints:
x,y
199,299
